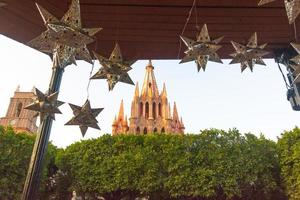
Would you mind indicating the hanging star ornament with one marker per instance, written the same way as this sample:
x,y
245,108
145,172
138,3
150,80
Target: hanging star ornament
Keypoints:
x,y
114,69
296,65
292,8
45,105
85,117
202,50
250,54
65,39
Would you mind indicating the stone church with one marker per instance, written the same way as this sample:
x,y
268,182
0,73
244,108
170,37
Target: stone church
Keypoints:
x,y
18,117
150,111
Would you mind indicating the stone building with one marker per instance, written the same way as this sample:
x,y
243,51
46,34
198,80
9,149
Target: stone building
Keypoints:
x,y
18,117
150,111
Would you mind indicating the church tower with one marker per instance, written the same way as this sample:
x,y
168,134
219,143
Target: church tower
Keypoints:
x,y
18,117
150,111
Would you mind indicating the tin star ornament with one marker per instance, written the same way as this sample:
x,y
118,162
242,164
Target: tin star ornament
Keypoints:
x,y
296,66
114,69
65,39
250,54
292,8
202,50
46,105
84,117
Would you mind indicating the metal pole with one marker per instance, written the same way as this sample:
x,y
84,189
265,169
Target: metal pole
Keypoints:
x,y
41,142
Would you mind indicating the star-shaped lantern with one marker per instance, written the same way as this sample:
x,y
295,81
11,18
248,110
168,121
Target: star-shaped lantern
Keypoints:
x,y
45,105
296,65
85,117
114,69
202,50
65,38
292,8
250,54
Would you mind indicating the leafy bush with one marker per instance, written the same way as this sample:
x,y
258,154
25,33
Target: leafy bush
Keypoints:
x,y
211,165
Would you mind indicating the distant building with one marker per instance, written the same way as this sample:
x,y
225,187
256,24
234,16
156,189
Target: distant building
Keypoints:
x,y
18,117
150,111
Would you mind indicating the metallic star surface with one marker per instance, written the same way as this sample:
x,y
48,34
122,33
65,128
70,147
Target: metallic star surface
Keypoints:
x,y
202,50
250,54
114,69
46,105
292,8
84,117
296,66
65,39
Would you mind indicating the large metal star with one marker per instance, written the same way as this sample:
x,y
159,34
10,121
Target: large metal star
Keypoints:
x,y
84,117
45,105
65,39
202,50
296,65
114,69
292,8
250,54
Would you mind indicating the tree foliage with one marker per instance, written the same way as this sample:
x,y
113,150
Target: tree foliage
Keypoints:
x,y
15,153
211,165
289,148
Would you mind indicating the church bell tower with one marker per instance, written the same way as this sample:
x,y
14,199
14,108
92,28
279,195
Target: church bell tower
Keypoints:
x,y
18,117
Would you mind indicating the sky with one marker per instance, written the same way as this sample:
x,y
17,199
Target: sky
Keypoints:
x,y
220,98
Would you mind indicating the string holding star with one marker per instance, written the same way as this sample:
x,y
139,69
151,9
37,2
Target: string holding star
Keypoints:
x,y
84,117
65,39
250,54
292,8
45,104
202,50
114,69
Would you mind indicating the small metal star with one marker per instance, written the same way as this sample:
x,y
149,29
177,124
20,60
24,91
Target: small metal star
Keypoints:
x,y
114,69
250,54
65,38
296,66
292,8
202,50
46,105
84,117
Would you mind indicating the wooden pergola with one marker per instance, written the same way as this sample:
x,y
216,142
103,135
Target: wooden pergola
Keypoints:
x,y
150,29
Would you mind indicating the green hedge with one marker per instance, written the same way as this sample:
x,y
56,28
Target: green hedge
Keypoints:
x,y
211,165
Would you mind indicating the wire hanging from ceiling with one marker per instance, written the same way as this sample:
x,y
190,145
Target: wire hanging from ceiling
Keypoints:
x,y
185,25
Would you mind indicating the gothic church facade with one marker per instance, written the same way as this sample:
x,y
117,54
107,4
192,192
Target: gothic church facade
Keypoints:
x,y
150,111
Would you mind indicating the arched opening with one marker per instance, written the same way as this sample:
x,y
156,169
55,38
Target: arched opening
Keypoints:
x,y
138,130
19,109
154,110
147,110
141,109
159,109
155,130
163,130
145,131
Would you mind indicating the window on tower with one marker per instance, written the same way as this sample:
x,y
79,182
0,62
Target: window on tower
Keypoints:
x,y
147,110
154,110
19,109
141,109
159,109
